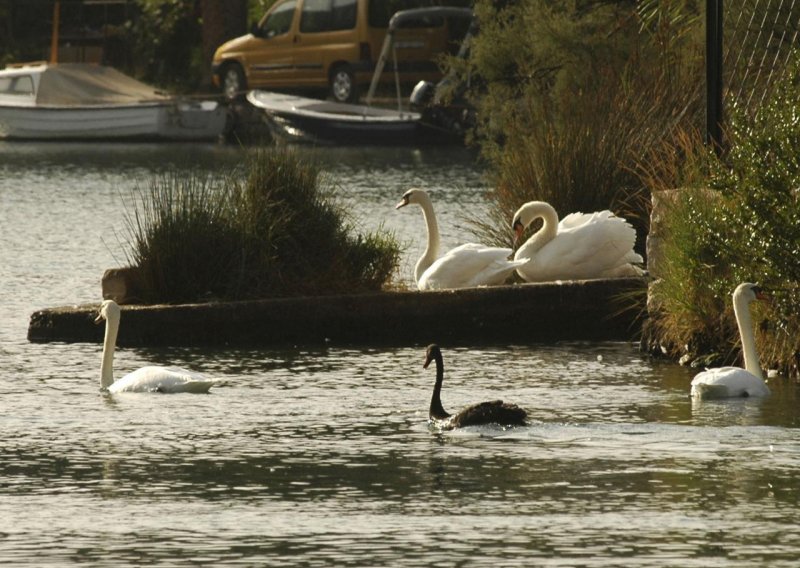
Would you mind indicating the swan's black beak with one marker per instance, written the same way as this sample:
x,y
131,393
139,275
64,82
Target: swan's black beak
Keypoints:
x,y
431,353
518,229
403,202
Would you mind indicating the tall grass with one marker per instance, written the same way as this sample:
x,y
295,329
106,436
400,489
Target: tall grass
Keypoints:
x,y
576,143
275,230
184,240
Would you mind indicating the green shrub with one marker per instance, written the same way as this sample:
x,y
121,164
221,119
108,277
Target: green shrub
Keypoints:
x,y
274,232
744,226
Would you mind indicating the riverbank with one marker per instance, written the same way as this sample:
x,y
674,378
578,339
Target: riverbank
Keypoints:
x,y
579,310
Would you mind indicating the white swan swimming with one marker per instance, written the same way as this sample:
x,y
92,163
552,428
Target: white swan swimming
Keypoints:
x,y
465,266
581,246
146,379
728,382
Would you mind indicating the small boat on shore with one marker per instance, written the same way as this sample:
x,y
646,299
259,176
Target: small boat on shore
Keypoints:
x,y
75,101
301,118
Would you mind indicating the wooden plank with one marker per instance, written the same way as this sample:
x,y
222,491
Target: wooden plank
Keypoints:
x,y
580,310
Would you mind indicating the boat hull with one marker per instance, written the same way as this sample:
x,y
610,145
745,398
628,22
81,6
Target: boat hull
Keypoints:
x,y
164,121
305,119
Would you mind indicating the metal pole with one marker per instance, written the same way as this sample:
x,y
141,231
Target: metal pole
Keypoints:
x,y
714,73
54,33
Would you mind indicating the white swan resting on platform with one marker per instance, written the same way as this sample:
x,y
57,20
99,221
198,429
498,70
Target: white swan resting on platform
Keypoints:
x,y
729,382
582,246
146,379
465,266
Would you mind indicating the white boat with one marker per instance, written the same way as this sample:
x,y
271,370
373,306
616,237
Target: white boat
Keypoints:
x,y
303,118
75,101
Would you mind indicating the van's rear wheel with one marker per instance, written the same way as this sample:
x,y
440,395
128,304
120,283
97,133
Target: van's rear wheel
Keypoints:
x,y
234,83
343,84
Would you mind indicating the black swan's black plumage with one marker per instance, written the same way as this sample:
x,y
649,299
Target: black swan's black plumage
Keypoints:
x,y
492,412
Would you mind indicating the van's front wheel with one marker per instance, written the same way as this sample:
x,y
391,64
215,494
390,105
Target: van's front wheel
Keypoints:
x,y
343,84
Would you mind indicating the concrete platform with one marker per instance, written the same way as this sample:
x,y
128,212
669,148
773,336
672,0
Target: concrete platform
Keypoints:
x,y
522,313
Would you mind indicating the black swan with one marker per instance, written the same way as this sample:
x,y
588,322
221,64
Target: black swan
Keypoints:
x,y
492,412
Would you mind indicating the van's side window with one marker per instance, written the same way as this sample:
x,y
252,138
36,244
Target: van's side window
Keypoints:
x,y
328,15
280,20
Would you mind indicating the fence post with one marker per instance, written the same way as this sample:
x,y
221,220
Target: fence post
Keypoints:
x,y
714,73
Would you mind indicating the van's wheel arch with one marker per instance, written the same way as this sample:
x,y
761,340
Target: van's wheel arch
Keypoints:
x,y
342,82
232,80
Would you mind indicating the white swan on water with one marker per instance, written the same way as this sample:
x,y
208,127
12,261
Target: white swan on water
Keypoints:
x,y
581,246
146,379
465,266
729,382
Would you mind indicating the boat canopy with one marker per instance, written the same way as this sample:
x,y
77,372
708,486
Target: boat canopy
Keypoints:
x,y
398,20
68,84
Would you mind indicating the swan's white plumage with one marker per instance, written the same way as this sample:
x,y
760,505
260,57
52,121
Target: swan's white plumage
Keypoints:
x,y
730,382
162,379
465,266
581,246
727,382
146,379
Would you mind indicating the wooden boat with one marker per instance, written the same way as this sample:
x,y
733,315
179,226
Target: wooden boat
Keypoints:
x,y
76,101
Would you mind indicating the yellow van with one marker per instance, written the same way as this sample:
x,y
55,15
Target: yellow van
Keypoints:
x,y
333,45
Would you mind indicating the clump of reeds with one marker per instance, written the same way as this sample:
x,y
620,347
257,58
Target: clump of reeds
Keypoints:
x,y
587,91
273,231
183,239
577,147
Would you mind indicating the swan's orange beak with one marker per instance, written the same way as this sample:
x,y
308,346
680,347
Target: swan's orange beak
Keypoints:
x,y
427,362
518,228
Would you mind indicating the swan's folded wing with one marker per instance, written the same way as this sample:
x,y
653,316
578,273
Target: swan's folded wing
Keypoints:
x,y
727,382
575,220
588,249
469,265
162,379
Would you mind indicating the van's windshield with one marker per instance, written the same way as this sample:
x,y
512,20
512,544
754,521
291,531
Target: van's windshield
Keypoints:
x,y
279,20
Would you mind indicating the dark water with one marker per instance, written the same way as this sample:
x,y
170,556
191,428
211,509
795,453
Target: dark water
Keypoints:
x,y
324,457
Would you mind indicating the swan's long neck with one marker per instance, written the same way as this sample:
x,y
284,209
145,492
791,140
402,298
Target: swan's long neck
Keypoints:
x,y
436,410
547,233
432,249
109,345
741,308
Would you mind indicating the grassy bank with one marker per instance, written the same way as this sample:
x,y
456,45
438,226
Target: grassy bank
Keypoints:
x,y
273,230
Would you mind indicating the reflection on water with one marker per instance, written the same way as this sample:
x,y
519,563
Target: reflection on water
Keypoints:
x,y
324,456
